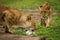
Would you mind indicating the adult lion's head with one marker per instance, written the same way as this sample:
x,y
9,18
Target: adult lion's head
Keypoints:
x,y
14,17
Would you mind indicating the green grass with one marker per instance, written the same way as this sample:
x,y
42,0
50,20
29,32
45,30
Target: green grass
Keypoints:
x,y
31,3
52,32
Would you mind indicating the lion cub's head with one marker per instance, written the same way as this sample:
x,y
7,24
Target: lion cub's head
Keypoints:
x,y
45,6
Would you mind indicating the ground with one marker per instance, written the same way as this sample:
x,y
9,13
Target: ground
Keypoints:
x,y
53,32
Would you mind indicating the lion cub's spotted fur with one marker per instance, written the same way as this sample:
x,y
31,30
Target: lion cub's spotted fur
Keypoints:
x,y
45,14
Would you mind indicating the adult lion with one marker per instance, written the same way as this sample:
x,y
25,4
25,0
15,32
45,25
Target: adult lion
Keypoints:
x,y
11,16
45,14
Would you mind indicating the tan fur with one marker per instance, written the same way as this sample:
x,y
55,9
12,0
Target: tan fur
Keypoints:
x,y
12,16
45,14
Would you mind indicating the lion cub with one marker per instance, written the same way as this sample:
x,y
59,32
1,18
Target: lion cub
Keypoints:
x,y
45,14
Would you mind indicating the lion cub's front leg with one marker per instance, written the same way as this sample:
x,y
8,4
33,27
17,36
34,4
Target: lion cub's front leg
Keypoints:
x,y
48,23
43,23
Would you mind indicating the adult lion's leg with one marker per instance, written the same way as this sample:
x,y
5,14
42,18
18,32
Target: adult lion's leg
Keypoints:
x,y
8,28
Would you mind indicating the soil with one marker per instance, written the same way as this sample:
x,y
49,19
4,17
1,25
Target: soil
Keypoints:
x,y
5,36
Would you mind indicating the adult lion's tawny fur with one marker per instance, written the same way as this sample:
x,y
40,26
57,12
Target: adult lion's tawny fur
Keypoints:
x,y
45,14
12,16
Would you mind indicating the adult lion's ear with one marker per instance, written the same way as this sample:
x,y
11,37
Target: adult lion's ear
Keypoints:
x,y
40,6
28,17
6,11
